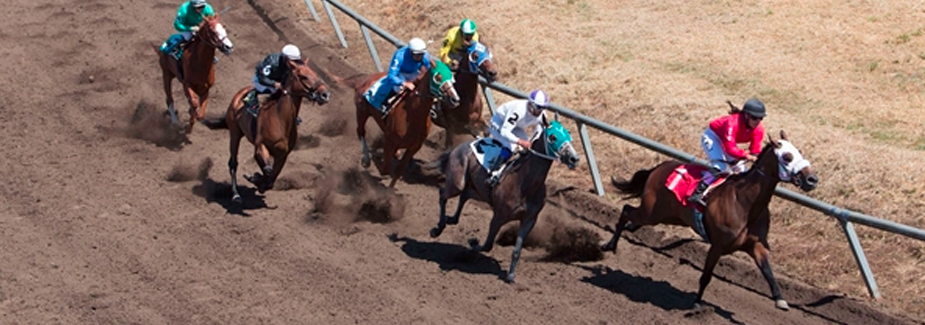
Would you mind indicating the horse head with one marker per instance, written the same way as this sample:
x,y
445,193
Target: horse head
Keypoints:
x,y
440,81
790,165
306,83
556,142
214,34
478,61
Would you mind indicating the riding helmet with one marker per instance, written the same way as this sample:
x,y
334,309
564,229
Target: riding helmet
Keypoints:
x,y
754,108
417,45
539,98
292,52
198,3
467,26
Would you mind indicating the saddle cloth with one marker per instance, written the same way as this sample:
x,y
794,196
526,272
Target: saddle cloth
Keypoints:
x,y
486,151
683,180
370,94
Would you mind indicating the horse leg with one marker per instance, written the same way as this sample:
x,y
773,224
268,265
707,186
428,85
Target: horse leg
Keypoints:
x,y
459,206
389,150
362,116
621,225
235,144
201,111
760,253
712,258
403,164
496,223
168,90
278,163
526,226
193,100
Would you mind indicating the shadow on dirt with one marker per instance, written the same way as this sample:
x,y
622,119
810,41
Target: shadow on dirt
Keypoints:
x,y
449,257
646,290
221,193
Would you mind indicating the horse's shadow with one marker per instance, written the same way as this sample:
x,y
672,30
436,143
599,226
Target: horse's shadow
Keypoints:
x,y
220,192
646,290
449,257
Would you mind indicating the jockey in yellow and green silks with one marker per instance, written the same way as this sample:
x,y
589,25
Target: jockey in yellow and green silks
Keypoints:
x,y
457,41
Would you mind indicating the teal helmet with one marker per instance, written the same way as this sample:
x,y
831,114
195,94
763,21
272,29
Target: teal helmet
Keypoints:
x,y
467,26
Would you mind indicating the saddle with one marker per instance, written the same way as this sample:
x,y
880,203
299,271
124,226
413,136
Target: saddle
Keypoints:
x,y
682,182
486,151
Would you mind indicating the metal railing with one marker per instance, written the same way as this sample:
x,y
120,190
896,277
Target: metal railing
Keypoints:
x,y
845,217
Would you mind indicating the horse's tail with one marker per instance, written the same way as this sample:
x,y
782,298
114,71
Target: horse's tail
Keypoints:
x,y
635,186
440,163
215,124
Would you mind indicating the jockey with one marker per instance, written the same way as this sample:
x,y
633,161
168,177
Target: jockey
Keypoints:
x,y
509,127
456,41
721,137
269,73
189,16
403,71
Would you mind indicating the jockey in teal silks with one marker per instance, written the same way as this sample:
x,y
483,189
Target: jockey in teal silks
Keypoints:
x,y
404,69
189,16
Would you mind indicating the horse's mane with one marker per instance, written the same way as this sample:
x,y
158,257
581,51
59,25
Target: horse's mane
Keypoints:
x,y
755,167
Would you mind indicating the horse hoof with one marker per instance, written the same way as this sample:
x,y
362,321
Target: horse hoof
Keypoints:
x,y
237,199
782,304
365,162
435,232
609,248
509,278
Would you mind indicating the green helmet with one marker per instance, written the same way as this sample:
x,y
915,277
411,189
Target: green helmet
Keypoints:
x,y
467,26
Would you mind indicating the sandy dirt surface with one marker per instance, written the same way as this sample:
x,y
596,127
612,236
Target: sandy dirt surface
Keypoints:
x,y
108,219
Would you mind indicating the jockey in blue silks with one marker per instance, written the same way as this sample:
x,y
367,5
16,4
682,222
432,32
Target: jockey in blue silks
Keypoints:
x,y
404,69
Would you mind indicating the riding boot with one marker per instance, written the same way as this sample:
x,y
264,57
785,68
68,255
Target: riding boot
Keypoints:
x,y
388,103
495,172
697,196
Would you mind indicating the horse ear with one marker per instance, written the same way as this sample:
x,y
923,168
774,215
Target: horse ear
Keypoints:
x,y
783,135
556,116
772,142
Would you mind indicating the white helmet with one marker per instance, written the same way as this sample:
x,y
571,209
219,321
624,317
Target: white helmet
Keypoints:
x,y
539,98
417,45
292,52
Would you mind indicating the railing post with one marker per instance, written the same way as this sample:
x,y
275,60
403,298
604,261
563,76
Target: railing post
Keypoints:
x,y
311,8
340,34
490,100
859,257
371,46
589,154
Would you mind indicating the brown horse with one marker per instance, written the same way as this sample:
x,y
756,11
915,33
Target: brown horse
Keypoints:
x,y
467,117
408,123
273,132
736,217
519,195
197,69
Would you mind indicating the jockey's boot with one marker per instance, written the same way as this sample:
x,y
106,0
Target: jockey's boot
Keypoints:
x,y
495,172
697,196
250,99
388,103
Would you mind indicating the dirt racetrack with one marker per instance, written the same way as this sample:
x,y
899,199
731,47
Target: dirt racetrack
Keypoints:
x,y
107,219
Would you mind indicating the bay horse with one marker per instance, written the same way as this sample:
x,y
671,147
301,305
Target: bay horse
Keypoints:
x,y
736,217
408,123
520,193
273,132
196,71
467,117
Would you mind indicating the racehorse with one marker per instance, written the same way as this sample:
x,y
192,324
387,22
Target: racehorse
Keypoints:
x,y
196,69
467,117
736,217
273,131
407,125
520,193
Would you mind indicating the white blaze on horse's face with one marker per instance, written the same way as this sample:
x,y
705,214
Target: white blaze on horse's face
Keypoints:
x,y
222,35
789,169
